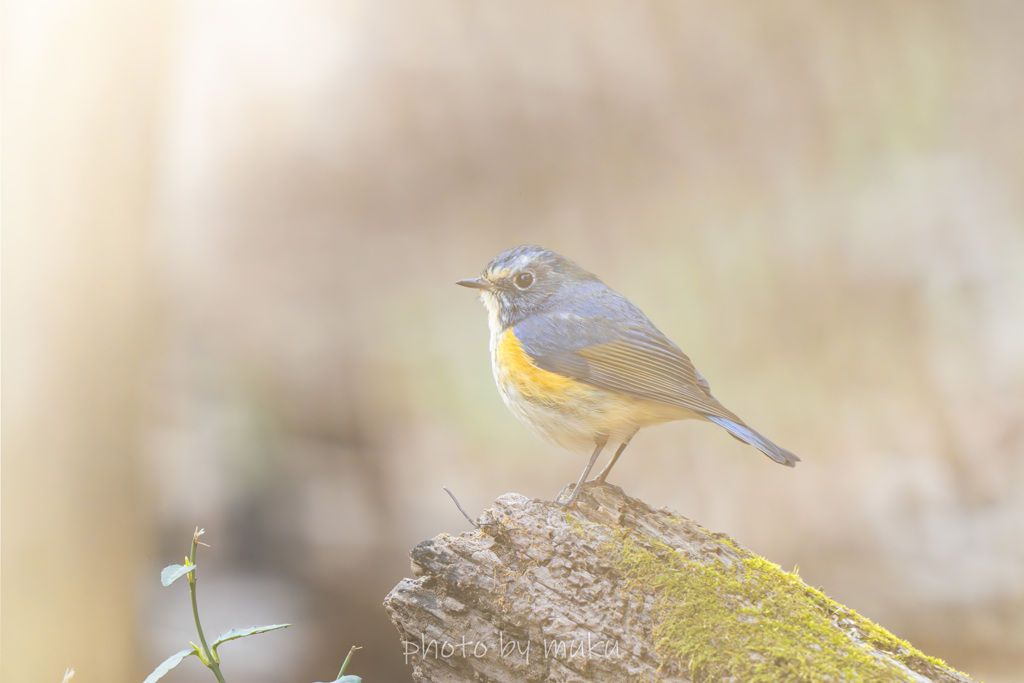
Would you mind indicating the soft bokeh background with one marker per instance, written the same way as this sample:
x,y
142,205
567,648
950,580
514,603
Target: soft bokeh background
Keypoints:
x,y
231,232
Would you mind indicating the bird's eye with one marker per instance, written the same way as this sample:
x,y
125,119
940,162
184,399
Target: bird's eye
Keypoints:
x,y
523,280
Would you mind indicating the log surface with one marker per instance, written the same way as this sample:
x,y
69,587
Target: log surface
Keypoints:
x,y
618,591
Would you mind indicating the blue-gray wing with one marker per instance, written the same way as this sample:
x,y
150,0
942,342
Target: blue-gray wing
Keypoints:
x,y
607,342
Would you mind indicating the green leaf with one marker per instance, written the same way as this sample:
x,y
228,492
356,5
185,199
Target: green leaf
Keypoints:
x,y
236,633
173,572
169,663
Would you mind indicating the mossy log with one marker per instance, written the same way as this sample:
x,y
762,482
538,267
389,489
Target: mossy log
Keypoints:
x,y
617,591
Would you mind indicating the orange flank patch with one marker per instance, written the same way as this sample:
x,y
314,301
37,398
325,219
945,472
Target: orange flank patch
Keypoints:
x,y
518,372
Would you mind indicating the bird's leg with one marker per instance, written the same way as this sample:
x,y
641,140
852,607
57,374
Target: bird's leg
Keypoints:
x,y
608,468
601,441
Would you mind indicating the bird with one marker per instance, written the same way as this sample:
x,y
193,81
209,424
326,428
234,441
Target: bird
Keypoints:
x,y
582,366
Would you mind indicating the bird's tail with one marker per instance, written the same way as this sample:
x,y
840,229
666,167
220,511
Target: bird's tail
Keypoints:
x,y
750,436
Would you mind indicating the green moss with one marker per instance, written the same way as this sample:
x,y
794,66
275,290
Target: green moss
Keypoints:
x,y
747,620
886,641
582,527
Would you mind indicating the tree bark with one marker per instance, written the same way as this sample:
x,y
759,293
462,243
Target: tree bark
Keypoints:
x,y
617,591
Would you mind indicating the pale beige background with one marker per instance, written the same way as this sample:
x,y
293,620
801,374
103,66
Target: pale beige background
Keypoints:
x,y
231,232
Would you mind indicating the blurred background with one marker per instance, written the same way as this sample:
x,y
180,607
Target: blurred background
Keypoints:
x,y
231,233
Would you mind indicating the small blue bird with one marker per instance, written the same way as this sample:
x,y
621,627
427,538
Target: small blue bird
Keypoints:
x,y
582,366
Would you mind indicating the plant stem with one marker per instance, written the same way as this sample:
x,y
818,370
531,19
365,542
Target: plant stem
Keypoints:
x,y
211,658
345,663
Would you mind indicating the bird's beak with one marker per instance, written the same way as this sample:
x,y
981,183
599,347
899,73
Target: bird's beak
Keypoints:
x,y
476,283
